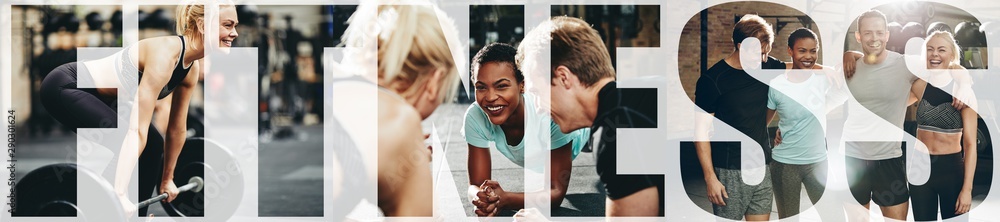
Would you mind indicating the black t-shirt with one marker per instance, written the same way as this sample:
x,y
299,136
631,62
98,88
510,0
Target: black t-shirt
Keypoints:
x,y
739,100
622,108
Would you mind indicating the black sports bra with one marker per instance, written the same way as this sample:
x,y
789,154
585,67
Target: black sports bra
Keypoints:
x,y
132,80
935,113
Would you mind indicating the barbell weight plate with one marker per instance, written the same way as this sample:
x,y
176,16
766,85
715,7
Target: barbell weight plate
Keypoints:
x,y
225,186
938,26
896,41
51,191
192,153
196,126
187,204
44,185
105,205
94,21
967,34
116,21
61,208
224,190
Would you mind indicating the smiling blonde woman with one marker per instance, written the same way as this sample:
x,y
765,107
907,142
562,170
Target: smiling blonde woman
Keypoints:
x,y
152,69
948,134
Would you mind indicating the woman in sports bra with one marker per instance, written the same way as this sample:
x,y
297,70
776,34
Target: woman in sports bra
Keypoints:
x,y
946,132
147,71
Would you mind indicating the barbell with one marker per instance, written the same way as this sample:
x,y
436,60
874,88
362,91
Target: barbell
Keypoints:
x,y
51,190
195,184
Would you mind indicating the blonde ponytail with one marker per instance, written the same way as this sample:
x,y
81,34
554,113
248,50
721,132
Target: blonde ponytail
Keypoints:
x,y
412,45
188,14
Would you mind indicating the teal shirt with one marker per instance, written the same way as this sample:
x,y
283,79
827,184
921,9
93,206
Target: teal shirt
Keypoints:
x,y
480,132
801,109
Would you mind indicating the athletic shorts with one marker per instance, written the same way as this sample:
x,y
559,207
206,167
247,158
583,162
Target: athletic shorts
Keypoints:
x,y
881,181
743,199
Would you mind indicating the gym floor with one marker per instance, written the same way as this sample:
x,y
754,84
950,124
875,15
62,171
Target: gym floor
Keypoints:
x,y
291,174
585,195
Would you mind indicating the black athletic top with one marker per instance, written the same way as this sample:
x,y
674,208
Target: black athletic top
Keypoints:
x,y
126,67
935,113
739,100
623,108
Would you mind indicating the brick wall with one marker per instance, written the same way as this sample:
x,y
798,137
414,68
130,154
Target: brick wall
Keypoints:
x,y
720,44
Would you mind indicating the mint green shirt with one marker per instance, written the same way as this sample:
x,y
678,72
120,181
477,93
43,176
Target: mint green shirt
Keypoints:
x,y
480,132
801,109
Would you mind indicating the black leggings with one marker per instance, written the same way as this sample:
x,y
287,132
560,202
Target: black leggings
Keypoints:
x,y
943,186
83,108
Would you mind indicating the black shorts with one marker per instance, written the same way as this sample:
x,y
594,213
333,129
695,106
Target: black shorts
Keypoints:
x,y
881,181
622,185
619,186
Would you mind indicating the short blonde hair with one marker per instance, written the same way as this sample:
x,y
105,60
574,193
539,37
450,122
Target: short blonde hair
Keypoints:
x,y
955,49
751,25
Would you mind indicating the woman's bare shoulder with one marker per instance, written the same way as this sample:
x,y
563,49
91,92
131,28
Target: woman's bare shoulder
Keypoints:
x,y
161,46
398,122
162,51
160,42
395,113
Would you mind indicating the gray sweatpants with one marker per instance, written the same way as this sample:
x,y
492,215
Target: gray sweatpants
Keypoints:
x,y
788,179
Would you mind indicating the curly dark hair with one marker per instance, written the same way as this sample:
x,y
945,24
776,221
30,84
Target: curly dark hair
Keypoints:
x,y
496,52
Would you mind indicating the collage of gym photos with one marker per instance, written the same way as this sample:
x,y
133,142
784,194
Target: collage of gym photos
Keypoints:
x,y
492,110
